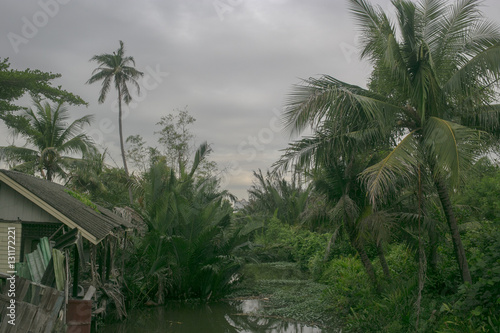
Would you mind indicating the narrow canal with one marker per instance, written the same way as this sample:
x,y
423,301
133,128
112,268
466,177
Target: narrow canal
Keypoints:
x,y
223,317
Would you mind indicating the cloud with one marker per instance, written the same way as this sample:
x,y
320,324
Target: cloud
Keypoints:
x,y
231,66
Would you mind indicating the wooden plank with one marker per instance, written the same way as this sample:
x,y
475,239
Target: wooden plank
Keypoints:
x,y
22,286
50,299
40,319
4,303
45,309
90,293
44,296
5,327
25,320
76,276
19,312
30,317
35,294
55,311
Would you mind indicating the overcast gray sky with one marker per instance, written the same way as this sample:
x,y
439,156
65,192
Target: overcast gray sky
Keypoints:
x,y
231,62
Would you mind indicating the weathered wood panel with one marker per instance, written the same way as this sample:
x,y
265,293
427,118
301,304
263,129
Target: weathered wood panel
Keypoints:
x,y
34,318
14,206
4,244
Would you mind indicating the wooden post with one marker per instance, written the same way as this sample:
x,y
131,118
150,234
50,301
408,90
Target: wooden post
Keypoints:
x,y
76,267
102,262
66,285
123,253
108,259
93,250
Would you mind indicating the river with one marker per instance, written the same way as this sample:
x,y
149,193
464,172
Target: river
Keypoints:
x,y
223,317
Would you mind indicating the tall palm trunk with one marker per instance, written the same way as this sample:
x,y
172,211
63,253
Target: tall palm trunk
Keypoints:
x,y
120,129
433,244
331,243
360,248
455,235
367,264
383,262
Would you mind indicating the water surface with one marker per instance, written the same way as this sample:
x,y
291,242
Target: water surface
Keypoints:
x,y
224,317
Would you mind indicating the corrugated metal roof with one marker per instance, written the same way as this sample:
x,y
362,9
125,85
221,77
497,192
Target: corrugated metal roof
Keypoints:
x,y
98,224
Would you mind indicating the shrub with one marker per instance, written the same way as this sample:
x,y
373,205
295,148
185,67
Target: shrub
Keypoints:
x,y
282,242
348,283
351,296
476,307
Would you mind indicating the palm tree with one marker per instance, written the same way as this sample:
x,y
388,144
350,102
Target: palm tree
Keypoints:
x,y
344,193
272,194
48,140
191,247
336,159
118,68
430,95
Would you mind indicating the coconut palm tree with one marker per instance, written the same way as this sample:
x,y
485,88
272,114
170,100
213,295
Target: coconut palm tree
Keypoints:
x,y
431,89
118,69
344,193
50,141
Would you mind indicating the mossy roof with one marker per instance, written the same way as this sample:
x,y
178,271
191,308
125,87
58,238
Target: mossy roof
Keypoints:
x,y
54,199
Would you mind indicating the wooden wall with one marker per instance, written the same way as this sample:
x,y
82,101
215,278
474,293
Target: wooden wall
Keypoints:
x,y
14,207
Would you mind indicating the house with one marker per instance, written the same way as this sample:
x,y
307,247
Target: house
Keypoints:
x,y
32,208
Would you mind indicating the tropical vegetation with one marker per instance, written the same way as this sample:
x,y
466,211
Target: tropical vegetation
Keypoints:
x,y
385,218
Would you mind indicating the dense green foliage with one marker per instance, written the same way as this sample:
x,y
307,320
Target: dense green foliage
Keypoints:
x,y
103,184
285,242
192,247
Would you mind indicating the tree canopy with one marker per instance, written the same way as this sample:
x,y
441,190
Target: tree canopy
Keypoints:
x,y
15,83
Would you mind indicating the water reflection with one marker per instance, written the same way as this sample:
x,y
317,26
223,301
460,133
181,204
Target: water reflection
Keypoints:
x,y
233,317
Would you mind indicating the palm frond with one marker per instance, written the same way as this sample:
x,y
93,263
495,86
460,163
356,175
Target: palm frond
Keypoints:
x,y
18,155
431,11
346,106
396,168
452,148
345,210
481,71
451,31
201,153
